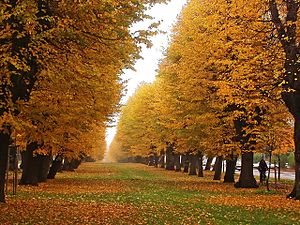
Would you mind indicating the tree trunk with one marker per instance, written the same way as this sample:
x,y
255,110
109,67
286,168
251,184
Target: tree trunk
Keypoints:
x,y
214,166
30,166
4,143
151,160
161,160
279,167
177,162
55,167
218,168
186,163
292,101
146,162
287,35
44,162
208,163
246,179
269,171
71,165
193,165
169,158
230,170
200,165
296,190
67,165
76,163
156,159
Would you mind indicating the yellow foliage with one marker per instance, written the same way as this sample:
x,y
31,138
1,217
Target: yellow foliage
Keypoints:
x,y
217,90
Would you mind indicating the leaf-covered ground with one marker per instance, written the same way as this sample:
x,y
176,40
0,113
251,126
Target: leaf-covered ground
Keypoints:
x,y
137,194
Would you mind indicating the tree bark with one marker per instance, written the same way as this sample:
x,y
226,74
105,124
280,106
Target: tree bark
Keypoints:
x,y
146,162
161,160
30,166
200,165
55,167
44,162
295,194
67,165
4,143
246,179
279,167
177,162
156,160
193,165
169,157
230,170
287,35
186,163
151,160
208,163
71,165
218,168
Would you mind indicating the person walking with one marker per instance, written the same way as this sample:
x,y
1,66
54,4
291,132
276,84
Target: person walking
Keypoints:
x,y
262,168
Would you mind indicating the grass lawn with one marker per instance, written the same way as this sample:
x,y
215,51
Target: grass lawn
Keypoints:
x,y
137,194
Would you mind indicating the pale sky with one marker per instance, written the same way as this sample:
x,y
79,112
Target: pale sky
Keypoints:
x,y
146,67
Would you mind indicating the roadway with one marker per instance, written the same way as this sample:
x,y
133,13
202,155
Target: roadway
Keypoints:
x,y
289,175
283,174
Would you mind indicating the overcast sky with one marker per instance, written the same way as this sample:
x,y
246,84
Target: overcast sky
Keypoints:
x,y
146,67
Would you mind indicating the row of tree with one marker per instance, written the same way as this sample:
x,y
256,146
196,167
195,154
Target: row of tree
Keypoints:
x,y
227,87
60,77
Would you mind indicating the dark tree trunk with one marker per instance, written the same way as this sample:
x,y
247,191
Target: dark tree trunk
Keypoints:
x,y
21,81
44,162
55,167
71,165
76,163
214,166
208,163
156,159
186,163
30,166
296,190
279,167
146,162
151,160
269,171
230,170
218,168
246,179
4,143
138,159
200,165
193,165
169,157
177,162
67,165
287,35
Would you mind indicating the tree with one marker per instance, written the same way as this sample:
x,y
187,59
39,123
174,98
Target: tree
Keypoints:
x,y
24,25
39,36
285,21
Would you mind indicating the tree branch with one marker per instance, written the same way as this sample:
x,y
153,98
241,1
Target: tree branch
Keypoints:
x,y
277,22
